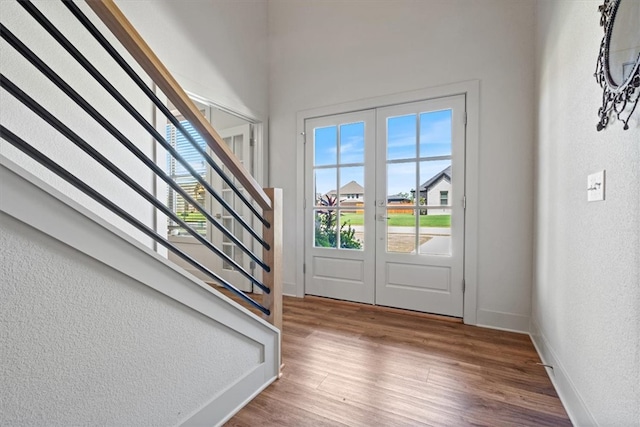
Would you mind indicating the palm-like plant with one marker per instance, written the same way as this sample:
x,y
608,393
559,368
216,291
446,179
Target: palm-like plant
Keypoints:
x,y
326,221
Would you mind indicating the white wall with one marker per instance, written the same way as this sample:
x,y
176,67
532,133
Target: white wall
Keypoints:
x,y
586,293
329,52
216,49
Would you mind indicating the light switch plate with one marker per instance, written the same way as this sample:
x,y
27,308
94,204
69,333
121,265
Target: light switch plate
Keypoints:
x,y
595,186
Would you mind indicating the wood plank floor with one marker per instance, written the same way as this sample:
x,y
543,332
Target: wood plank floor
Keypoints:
x,y
357,365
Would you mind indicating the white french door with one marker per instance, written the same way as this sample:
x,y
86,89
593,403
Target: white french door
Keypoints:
x,y
238,139
384,206
340,195
419,255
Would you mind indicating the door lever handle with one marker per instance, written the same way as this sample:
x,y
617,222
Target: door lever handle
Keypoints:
x,y
382,217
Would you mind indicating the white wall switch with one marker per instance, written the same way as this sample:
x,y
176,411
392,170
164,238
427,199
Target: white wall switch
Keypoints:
x,y
595,186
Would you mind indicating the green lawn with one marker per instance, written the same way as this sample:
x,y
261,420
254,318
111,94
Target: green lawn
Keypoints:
x,y
395,220
403,220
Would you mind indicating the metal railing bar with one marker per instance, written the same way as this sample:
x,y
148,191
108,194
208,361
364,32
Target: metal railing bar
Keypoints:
x,y
75,53
130,39
29,102
32,152
80,101
75,10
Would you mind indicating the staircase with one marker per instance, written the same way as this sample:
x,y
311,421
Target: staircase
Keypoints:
x,y
97,325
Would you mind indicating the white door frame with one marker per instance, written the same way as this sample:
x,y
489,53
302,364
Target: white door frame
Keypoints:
x,y
471,89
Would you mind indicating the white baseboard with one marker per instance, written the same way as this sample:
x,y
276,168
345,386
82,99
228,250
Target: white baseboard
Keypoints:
x,y
503,321
569,396
226,404
290,289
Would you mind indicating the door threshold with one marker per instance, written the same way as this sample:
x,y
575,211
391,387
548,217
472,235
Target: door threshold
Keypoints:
x,y
385,309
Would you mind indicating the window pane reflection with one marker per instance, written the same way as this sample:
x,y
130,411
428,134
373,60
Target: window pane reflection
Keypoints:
x,y
401,230
325,186
351,191
325,146
352,143
325,229
435,133
401,137
352,229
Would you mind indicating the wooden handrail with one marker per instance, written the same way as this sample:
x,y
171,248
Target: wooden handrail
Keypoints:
x,y
129,37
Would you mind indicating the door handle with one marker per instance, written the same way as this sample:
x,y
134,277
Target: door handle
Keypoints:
x,y
382,217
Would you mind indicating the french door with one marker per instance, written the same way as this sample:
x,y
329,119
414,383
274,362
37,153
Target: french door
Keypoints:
x,y
384,206
238,139
340,193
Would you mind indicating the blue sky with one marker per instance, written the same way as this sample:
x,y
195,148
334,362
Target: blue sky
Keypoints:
x,y
184,147
435,140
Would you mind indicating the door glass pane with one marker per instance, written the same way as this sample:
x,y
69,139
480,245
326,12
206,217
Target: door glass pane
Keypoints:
x,y
435,216
238,256
435,177
352,143
401,230
435,133
325,187
227,196
351,186
228,250
325,230
401,137
401,180
352,229
228,224
325,146
436,235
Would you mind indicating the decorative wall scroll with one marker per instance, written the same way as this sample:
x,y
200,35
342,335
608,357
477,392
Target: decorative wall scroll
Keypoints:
x,y
618,67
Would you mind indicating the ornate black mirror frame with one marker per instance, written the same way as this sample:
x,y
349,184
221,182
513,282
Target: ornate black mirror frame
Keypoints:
x,y
619,99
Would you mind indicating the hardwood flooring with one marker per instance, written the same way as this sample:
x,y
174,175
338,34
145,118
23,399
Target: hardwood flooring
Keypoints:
x,y
357,365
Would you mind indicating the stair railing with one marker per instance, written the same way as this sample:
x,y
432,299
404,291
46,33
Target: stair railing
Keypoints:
x,y
264,204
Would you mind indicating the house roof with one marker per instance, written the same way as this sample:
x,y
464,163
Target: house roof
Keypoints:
x,y
444,173
350,188
397,198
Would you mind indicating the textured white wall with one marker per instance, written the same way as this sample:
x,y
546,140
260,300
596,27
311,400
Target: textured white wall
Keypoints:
x,y
82,344
328,52
586,294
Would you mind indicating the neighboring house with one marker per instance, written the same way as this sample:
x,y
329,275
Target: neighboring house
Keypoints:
x,y
437,192
398,199
350,195
351,191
